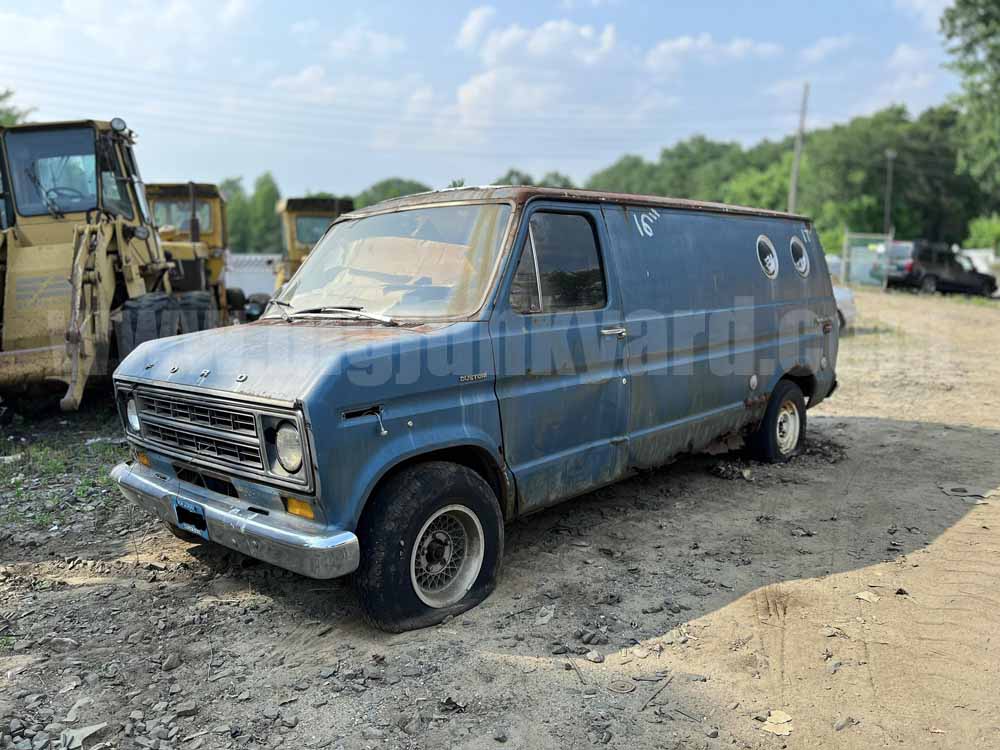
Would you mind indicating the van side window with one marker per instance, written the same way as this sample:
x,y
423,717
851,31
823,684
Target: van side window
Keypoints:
x,y
524,287
562,248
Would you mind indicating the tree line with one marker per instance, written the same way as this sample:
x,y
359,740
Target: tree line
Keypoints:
x,y
841,182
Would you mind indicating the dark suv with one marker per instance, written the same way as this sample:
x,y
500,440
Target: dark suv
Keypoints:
x,y
935,267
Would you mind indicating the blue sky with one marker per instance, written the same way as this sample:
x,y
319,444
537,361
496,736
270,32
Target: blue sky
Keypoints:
x,y
334,96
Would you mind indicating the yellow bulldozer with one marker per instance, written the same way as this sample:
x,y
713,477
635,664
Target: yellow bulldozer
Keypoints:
x,y
191,220
84,275
303,222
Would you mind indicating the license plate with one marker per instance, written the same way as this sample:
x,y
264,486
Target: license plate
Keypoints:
x,y
190,517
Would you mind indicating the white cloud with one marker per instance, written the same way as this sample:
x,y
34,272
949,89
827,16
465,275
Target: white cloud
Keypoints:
x,y
906,57
474,26
927,11
363,43
789,88
553,41
826,46
75,27
232,11
305,26
669,54
909,77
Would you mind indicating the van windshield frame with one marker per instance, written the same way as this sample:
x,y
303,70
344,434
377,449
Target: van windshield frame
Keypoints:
x,y
427,262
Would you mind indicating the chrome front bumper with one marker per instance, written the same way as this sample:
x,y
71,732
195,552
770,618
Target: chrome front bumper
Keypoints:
x,y
317,555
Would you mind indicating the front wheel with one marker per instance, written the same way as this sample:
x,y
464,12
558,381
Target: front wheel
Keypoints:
x,y
783,428
929,285
431,547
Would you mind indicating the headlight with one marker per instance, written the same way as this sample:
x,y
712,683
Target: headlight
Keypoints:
x,y
132,414
289,447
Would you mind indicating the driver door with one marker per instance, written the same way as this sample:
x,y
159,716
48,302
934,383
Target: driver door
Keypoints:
x,y
559,346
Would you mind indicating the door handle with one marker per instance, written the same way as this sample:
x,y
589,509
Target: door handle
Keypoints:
x,y
619,332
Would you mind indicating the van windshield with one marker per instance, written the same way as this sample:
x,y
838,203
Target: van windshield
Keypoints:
x,y
430,262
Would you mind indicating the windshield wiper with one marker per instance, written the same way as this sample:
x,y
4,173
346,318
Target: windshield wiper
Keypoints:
x,y
282,306
351,310
50,204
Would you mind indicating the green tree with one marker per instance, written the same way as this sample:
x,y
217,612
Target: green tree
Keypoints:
x,y
515,177
984,231
265,225
556,180
394,187
762,188
972,28
237,214
9,114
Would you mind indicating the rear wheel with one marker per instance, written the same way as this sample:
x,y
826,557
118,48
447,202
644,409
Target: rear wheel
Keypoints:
x,y
431,547
781,432
929,285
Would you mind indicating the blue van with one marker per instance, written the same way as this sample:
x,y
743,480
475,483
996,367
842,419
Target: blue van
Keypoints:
x,y
445,362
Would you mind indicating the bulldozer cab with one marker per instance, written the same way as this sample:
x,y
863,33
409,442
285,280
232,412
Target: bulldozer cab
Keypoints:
x,y
76,242
189,212
303,223
57,177
191,220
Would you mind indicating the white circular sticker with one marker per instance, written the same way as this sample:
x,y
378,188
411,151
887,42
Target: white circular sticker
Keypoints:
x,y
800,258
767,256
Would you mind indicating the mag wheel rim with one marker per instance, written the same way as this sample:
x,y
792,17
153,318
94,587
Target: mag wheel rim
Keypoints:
x,y
788,427
447,556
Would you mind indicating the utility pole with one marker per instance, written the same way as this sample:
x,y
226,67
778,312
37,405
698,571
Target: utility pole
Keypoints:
x,y
793,186
890,156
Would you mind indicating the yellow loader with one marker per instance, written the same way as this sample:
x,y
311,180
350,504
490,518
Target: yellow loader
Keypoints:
x,y
303,222
191,220
84,276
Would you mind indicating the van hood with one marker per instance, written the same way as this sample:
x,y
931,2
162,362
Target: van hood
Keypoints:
x,y
269,359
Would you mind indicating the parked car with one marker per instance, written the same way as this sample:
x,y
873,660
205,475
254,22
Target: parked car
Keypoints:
x,y
935,267
445,362
847,311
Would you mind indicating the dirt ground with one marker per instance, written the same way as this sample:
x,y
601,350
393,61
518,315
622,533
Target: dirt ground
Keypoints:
x,y
695,607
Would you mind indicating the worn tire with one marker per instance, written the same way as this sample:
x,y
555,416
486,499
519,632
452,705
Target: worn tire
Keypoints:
x,y
388,533
184,536
198,311
236,300
764,444
144,318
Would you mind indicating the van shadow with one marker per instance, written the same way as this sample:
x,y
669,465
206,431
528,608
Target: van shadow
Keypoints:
x,y
645,563
695,535
636,562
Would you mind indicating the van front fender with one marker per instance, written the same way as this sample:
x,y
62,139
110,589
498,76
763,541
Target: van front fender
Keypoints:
x,y
402,447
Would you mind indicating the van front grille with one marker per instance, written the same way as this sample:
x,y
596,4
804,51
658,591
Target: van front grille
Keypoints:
x,y
171,407
204,446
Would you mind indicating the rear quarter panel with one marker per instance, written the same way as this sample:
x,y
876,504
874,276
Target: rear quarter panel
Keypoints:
x,y
703,318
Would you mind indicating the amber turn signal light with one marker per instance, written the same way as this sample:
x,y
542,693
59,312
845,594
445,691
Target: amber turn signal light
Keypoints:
x,y
299,507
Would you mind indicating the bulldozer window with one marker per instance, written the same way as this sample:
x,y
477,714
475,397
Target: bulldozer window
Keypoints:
x,y
52,171
309,229
178,214
114,191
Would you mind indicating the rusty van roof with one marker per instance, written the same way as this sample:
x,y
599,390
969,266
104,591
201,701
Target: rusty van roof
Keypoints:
x,y
522,194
